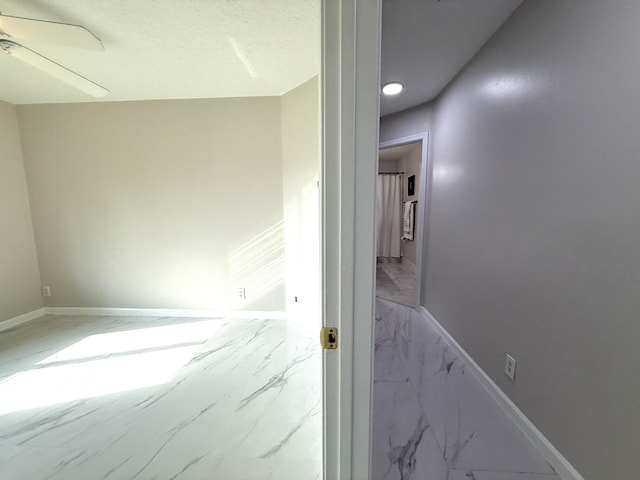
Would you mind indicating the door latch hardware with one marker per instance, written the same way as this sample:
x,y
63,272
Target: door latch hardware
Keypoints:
x,y
329,338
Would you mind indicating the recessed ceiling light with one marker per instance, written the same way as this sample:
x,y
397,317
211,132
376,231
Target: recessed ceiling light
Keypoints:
x,y
392,88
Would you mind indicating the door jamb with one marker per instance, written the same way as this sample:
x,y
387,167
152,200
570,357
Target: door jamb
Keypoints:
x,y
350,83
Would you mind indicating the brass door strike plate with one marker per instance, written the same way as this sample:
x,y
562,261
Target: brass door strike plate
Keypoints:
x,y
329,338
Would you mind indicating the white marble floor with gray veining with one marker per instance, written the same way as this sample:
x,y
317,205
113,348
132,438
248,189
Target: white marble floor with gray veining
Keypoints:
x,y
117,398
432,419
396,280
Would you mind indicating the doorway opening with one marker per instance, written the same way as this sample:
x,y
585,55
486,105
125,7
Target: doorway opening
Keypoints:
x,y
400,217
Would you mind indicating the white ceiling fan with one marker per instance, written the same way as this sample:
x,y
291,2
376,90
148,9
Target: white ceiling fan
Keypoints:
x,y
16,29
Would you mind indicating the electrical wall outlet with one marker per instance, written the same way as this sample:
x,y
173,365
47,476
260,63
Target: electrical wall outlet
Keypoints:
x,y
242,293
510,367
46,291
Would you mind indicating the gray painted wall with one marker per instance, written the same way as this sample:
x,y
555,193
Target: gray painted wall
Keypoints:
x,y
408,122
534,236
389,166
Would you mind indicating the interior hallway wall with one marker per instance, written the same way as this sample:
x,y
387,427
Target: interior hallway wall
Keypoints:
x,y
534,240
301,203
412,121
19,277
158,204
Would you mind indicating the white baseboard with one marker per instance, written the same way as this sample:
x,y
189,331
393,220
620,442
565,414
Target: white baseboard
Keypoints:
x,y
535,436
166,312
20,319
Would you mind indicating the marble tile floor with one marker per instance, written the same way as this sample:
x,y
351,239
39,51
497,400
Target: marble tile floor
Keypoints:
x,y
396,281
432,419
117,398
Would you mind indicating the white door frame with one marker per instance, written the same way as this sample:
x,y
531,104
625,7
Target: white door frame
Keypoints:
x,y
350,89
425,183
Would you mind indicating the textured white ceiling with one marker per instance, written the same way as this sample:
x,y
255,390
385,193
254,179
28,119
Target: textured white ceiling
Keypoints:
x,y
164,49
425,43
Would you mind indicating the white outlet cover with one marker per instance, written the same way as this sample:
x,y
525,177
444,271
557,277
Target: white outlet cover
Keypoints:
x,y
510,367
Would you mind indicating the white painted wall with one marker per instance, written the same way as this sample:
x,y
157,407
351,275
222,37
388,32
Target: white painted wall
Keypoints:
x,y
159,204
19,277
301,203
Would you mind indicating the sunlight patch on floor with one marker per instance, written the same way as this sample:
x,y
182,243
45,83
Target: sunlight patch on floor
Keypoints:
x,y
135,340
133,359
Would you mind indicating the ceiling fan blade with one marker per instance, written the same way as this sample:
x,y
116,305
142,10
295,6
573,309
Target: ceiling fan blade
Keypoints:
x,y
52,68
48,32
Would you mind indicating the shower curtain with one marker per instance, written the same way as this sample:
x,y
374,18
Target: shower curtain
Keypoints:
x,y
389,215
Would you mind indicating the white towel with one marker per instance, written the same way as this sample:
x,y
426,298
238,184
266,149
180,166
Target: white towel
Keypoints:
x,y
409,217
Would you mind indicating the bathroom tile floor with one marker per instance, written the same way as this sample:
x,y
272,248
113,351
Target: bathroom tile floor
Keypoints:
x,y
432,419
396,281
116,398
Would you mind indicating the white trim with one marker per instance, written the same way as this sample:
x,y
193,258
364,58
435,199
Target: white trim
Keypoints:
x,y
422,201
20,319
535,436
396,142
350,118
166,312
